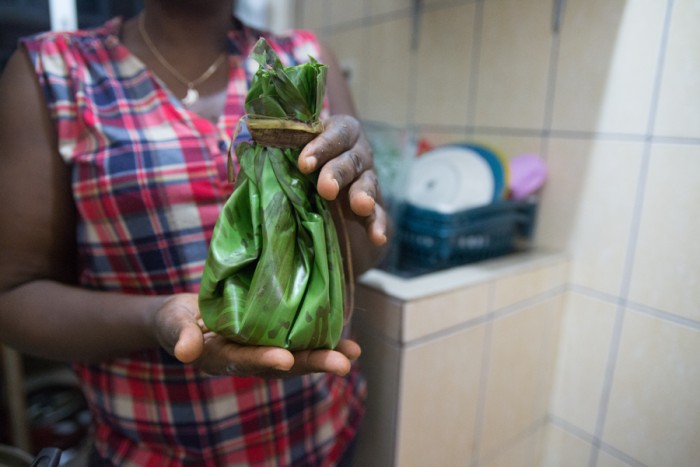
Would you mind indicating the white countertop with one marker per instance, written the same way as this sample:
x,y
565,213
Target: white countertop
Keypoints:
x,y
450,279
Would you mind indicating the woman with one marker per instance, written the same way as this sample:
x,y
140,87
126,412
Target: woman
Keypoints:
x,y
113,150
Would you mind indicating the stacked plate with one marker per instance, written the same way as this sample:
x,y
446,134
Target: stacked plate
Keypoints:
x,y
457,177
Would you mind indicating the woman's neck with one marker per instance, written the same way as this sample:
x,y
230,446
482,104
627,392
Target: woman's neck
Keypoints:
x,y
187,36
182,26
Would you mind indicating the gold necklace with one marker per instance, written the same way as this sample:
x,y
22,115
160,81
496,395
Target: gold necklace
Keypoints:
x,y
192,95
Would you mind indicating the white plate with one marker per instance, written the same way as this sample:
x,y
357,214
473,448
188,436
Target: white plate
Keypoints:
x,y
449,179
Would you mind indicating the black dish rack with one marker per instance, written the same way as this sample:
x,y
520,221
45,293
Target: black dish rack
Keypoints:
x,y
427,241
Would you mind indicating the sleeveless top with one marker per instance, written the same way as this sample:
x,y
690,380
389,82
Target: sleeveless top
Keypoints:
x,y
149,179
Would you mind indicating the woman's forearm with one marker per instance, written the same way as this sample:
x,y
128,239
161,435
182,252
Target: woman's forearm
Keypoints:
x,y
61,322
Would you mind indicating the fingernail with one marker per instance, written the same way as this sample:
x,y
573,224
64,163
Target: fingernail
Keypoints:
x,y
310,163
337,187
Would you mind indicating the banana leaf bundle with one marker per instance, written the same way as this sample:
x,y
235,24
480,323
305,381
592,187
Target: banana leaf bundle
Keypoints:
x,y
274,272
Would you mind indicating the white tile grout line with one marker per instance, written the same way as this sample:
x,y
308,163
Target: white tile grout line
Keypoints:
x,y
486,318
571,429
511,442
483,381
367,9
607,384
412,87
637,307
561,134
475,60
559,11
397,408
588,438
615,343
663,315
327,12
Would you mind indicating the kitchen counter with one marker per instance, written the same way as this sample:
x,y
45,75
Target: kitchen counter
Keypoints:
x,y
463,276
458,362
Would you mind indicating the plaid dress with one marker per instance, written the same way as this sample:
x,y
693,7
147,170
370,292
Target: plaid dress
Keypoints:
x,y
149,179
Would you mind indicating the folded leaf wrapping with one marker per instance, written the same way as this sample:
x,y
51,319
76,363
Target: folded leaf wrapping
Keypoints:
x,y
274,273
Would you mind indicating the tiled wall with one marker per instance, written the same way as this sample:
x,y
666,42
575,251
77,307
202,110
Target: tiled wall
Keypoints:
x,y
609,95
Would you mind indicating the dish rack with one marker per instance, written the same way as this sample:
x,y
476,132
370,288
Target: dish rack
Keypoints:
x,y
427,240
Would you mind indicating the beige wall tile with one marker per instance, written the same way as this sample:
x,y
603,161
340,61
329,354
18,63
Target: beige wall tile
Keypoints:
x,y
602,198
518,287
350,48
666,272
522,453
343,11
586,332
311,14
513,63
516,391
606,61
562,449
654,407
549,340
433,314
381,7
442,66
508,145
438,400
607,460
679,103
606,65
388,66
556,221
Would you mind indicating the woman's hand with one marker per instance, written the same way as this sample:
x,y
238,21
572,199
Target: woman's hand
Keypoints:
x,y
346,163
180,330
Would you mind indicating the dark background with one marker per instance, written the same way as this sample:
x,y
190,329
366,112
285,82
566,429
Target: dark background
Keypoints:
x,y
22,17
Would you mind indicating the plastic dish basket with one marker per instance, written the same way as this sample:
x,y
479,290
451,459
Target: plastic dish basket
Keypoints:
x,y
429,240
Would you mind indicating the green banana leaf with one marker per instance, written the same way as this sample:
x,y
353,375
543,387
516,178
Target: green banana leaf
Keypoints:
x,y
274,272
294,92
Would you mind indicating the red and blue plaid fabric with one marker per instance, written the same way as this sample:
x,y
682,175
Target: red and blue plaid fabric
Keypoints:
x,y
149,179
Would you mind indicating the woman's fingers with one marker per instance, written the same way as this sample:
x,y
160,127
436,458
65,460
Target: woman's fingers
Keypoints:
x,y
363,194
184,335
338,361
345,161
350,349
278,362
341,153
342,171
273,362
317,361
376,226
245,360
340,133
223,357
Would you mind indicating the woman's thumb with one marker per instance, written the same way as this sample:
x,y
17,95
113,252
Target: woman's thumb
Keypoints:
x,y
190,343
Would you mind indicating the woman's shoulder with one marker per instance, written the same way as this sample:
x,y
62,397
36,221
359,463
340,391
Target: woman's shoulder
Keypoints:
x,y
82,38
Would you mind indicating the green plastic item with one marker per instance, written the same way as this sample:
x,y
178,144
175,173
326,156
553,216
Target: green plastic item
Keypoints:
x,y
274,272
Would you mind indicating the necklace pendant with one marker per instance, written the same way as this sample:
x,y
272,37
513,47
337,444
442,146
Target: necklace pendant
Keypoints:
x,y
191,97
